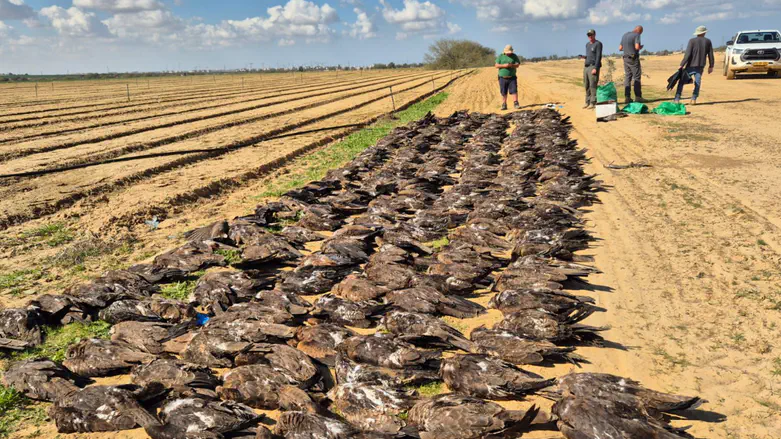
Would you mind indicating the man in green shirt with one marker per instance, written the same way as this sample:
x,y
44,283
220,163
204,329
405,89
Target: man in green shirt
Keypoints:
x,y
507,62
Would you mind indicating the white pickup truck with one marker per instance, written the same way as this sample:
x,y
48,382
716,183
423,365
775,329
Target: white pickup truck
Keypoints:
x,y
753,51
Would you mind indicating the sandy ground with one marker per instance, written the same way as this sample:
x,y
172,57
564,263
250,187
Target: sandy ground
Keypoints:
x,y
689,247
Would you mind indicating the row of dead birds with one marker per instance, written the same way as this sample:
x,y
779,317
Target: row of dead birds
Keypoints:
x,y
508,205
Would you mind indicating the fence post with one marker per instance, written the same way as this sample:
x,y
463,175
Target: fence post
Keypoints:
x,y
128,92
242,82
393,101
36,89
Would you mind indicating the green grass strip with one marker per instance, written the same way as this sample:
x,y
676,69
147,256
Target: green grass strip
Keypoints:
x,y
314,166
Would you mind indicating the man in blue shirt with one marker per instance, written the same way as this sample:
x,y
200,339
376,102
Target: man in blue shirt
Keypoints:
x,y
507,62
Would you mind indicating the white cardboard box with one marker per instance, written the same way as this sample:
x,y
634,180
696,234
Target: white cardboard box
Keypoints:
x,y
605,109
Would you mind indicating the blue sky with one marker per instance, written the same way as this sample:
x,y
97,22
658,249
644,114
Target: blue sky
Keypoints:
x,y
59,36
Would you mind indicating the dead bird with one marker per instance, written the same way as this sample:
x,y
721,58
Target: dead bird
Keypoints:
x,y
103,408
289,302
424,330
518,350
96,357
258,245
193,256
604,385
299,235
598,417
307,280
214,347
291,361
186,418
302,425
216,231
20,328
349,371
481,239
386,350
357,288
541,325
128,310
43,379
531,272
428,300
320,341
260,386
372,408
146,336
452,416
487,377
553,301
344,312
57,309
216,291
174,374
111,287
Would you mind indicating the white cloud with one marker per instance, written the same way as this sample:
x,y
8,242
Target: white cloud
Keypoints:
x,y
5,30
153,25
453,28
505,11
119,5
363,28
15,10
73,22
285,42
295,19
553,9
615,11
558,27
671,18
415,18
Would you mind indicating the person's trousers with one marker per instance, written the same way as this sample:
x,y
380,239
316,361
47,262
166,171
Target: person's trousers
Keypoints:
x,y
632,75
590,82
696,74
508,85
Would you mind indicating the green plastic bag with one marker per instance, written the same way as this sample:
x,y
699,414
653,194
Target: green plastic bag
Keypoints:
x,y
607,92
636,108
671,109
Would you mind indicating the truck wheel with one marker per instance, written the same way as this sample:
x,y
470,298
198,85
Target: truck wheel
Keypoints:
x,y
730,75
726,68
773,74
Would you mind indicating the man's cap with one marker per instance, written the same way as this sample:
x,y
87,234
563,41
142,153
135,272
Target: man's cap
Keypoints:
x,y
508,49
591,32
700,30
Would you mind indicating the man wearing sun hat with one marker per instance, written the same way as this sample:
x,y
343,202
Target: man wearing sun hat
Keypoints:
x,y
507,62
698,52
592,66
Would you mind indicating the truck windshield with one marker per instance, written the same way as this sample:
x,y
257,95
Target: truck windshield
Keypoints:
x,y
759,37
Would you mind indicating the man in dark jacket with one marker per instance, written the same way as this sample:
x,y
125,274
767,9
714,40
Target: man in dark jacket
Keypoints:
x,y
698,52
631,46
592,67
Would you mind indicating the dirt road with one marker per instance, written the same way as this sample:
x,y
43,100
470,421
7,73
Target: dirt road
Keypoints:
x,y
689,247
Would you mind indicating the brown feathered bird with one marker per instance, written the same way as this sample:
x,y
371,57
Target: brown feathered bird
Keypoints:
x,y
451,416
96,357
42,379
100,408
487,377
518,350
425,330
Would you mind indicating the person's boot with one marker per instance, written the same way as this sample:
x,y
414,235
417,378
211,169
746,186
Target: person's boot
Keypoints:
x,y
693,101
516,105
639,93
504,106
628,95
677,100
